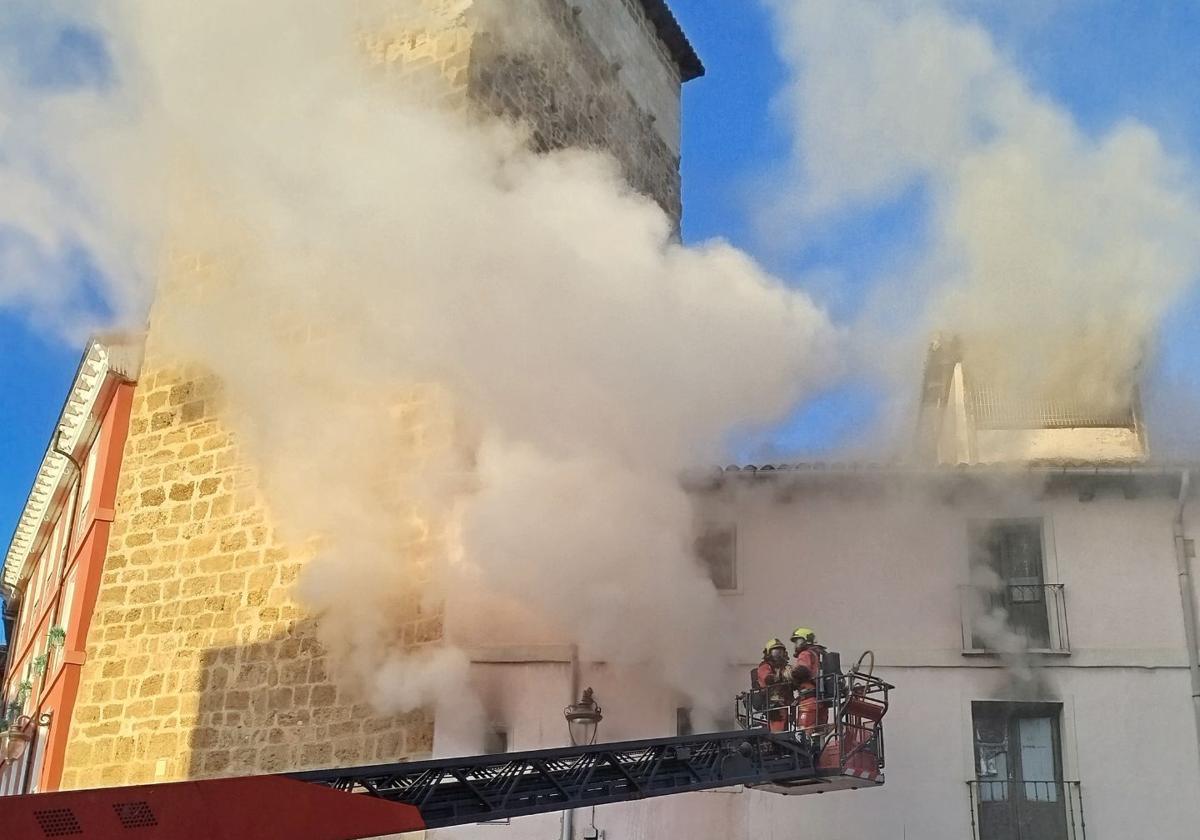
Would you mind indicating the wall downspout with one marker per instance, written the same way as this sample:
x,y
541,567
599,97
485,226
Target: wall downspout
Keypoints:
x,y
568,816
1187,593
74,514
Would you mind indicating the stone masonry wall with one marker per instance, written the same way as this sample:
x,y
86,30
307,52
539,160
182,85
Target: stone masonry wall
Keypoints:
x,y
200,662
550,73
541,63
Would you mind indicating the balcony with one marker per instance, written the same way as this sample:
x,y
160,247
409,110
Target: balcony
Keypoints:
x,y
1016,617
1021,810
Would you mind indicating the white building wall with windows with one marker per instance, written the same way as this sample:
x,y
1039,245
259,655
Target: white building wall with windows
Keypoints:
x,y
876,559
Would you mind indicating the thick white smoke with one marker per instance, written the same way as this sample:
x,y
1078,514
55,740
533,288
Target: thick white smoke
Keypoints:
x,y
1054,252
75,220
442,350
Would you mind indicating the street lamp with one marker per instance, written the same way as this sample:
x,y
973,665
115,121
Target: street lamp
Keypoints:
x,y
582,719
15,740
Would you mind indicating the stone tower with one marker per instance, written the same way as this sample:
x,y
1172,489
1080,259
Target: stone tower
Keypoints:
x,y
599,74
199,661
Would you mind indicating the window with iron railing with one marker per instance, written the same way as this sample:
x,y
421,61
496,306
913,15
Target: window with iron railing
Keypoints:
x,y
1019,792
1011,618
1009,605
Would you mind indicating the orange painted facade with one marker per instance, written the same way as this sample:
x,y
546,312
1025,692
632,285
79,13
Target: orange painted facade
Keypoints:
x,y
60,592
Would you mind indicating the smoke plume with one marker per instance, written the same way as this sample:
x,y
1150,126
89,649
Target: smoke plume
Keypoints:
x,y
1055,253
449,359
75,221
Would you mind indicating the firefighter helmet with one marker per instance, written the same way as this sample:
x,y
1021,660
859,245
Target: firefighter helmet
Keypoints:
x,y
804,634
772,644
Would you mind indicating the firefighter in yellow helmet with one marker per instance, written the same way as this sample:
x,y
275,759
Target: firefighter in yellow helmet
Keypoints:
x,y
774,675
806,669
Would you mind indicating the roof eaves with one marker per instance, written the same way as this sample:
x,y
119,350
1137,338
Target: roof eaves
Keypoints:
x,y
676,40
99,362
1049,468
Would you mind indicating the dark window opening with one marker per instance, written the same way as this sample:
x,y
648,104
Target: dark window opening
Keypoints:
x,y
496,742
683,721
1018,770
1011,550
717,550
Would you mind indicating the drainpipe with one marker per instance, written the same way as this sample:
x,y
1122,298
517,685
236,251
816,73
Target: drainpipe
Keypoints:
x,y
568,816
1187,593
73,516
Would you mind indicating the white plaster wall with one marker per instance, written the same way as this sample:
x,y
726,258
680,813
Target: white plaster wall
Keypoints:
x,y
527,700
1125,736
903,555
620,30
1010,445
1192,531
1117,560
880,569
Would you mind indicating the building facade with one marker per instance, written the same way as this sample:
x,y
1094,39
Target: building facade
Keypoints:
x,y
1024,581
55,563
194,659
1030,618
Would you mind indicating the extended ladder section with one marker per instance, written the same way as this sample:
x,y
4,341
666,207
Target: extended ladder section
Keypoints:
x,y
358,802
460,790
351,803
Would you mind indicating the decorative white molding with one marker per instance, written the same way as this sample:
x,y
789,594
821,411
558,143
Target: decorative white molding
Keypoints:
x,y
120,358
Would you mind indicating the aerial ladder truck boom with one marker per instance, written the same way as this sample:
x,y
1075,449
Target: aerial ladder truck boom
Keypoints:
x,y
350,803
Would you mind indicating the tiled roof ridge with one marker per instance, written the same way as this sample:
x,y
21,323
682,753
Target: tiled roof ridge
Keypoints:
x,y
1046,465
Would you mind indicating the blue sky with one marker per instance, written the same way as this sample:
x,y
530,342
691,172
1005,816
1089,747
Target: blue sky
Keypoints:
x,y
1103,60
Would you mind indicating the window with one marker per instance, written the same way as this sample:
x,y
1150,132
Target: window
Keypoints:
x,y
87,483
1018,767
41,738
685,723
12,775
496,741
1008,569
68,601
717,550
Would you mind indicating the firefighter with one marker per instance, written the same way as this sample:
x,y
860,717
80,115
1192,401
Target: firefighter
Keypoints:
x,y
774,675
806,670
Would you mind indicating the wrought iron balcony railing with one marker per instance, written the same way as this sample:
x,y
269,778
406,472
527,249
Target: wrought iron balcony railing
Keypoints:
x,y
1016,616
1026,810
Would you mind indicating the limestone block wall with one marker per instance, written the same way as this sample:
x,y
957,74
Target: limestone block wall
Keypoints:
x,y
200,662
428,54
590,76
624,35
562,73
